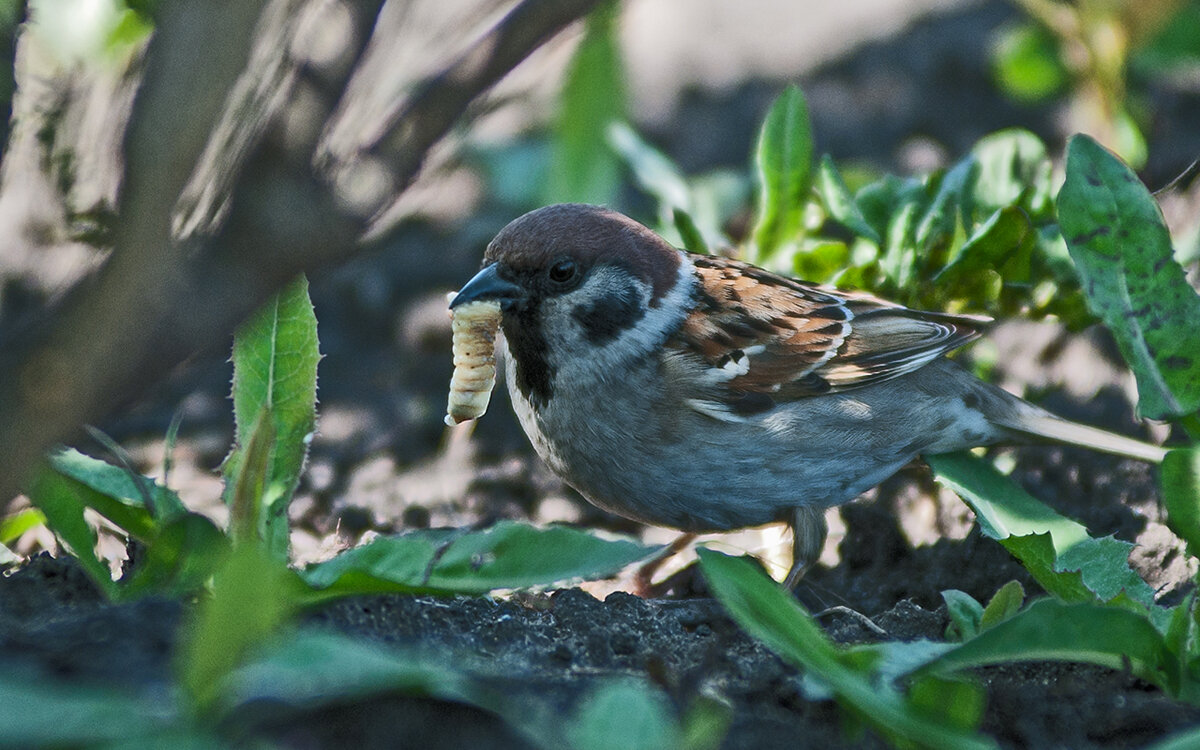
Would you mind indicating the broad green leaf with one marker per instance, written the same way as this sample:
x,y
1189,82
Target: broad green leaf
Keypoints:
x,y
1184,739
508,555
1181,495
625,714
275,356
840,203
583,169
114,492
1056,551
1052,630
820,261
162,503
783,165
63,501
253,597
40,712
180,558
307,670
14,527
1119,240
948,210
705,723
767,611
1003,244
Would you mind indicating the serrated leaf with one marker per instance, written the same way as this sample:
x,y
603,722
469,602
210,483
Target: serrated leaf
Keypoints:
x,y
507,555
275,356
1181,495
1122,249
583,169
783,165
767,611
1055,550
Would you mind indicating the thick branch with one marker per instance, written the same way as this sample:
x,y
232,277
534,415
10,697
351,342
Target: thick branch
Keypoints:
x,y
156,301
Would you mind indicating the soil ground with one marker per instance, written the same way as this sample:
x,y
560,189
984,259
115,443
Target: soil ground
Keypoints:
x,y
380,466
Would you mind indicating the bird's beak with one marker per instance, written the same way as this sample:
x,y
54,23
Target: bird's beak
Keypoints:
x,y
487,285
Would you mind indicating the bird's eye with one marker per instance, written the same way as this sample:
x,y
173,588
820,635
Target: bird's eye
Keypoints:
x,y
563,271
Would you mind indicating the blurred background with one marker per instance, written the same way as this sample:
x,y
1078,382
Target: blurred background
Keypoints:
x,y
902,86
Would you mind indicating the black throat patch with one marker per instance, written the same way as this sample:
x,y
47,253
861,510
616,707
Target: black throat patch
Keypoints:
x,y
527,347
605,318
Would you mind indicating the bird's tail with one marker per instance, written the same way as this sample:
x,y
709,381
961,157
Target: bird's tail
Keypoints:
x,y
1031,420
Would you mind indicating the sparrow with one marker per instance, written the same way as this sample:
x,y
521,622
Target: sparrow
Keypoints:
x,y
706,394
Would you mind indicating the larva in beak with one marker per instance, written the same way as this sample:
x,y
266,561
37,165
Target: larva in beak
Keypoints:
x,y
473,327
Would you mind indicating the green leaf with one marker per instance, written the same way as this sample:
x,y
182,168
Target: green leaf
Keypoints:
x,y
1004,245
624,714
116,494
583,169
820,261
966,614
783,162
768,612
840,203
14,527
1121,246
63,501
508,555
1181,495
1014,170
1056,551
42,712
1004,604
180,559
705,723
1026,63
253,596
693,240
275,356
1052,630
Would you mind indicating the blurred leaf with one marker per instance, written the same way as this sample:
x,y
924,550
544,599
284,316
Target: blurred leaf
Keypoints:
x,y
124,487
1184,739
706,723
966,614
1121,246
783,162
1003,245
1014,169
44,713
693,241
839,202
1052,630
820,261
180,559
625,714
14,527
507,555
583,169
654,172
956,701
253,596
948,210
1176,47
275,356
1181,495
767,611
63,501
1026,63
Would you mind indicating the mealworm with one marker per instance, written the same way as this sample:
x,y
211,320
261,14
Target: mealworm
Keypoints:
x,y
473,327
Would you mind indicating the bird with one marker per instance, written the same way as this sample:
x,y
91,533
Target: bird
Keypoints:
x,y
705,394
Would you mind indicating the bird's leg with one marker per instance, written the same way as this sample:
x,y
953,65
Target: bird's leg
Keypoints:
x,y
641,579
808,539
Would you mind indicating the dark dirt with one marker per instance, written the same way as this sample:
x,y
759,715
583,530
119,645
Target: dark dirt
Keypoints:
x,y
383,380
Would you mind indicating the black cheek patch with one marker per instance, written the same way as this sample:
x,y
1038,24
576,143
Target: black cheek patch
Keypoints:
x,y
605,318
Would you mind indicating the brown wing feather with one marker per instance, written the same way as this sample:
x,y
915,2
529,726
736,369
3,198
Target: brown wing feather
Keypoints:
x,y
794,339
